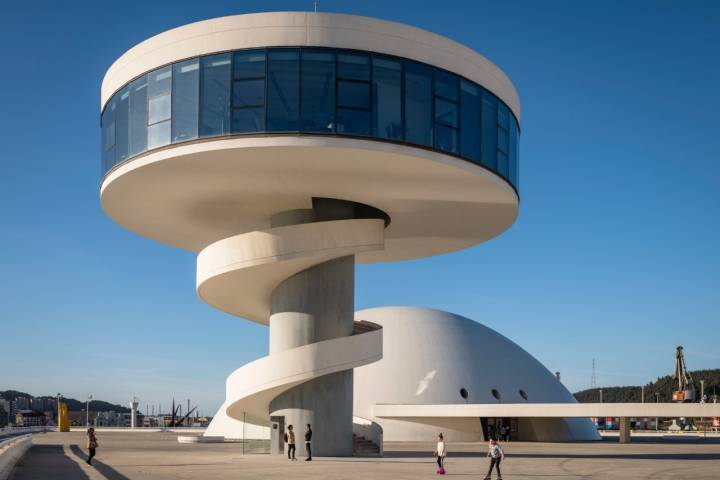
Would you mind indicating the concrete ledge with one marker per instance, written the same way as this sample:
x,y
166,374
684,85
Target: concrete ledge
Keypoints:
x,y
549,410
12,450
200,439
191,430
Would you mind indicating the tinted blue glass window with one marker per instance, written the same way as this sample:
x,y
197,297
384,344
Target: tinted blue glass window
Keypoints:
x,y
185,100
446,85
249,93
503,116
159,85
470,120
249,64
318,90
122,125
489,130
353,121
418,104
513,153
108,135
138,115
248,113
353,66
446,112
503,164
353,94
159,107
158,134
503,128
311,89
248,119
283,95
387,98
446,138
503,140
215,95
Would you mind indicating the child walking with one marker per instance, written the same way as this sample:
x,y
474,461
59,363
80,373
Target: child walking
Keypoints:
x,y
496,454
440,452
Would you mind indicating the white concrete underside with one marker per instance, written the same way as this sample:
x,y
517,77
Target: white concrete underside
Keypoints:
x,y
192,195
307,29
549,410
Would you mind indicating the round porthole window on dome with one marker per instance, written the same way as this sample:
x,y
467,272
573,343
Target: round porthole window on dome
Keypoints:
x,y
523,394
464,393
495,393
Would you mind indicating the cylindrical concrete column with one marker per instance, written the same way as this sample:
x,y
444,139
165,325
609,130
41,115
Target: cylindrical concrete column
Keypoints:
x,y
314,305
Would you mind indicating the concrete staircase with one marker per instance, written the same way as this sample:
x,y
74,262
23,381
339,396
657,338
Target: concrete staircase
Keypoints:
x,y
362,447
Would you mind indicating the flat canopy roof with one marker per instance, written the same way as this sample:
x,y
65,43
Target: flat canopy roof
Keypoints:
x,y
548,410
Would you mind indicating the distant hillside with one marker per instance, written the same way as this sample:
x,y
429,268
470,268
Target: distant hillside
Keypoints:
x,y
73,405
663,385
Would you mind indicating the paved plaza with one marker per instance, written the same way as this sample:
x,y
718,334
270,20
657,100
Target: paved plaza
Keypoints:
x,y
126,455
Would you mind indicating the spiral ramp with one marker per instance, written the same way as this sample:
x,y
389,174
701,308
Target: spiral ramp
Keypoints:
x,y
243,274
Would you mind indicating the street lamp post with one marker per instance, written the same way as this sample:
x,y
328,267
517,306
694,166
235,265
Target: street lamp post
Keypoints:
x,y
87,410
57,416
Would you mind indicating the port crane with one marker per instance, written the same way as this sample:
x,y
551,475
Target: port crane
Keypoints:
x,y
686,387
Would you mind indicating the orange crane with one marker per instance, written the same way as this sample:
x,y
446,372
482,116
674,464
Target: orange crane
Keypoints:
x,y
686,387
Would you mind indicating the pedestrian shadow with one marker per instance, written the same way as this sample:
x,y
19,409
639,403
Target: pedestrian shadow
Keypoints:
x,y
46,461
105,470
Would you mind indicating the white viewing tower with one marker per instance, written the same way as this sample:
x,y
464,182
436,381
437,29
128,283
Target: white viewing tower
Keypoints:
x,y
133,412
284,148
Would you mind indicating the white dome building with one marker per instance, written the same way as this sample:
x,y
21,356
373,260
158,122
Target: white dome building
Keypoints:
x,y
431,357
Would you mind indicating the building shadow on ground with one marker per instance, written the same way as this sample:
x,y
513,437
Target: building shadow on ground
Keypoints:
x,y
105,470
47,461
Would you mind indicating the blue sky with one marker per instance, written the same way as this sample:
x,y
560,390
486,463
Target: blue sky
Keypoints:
x,y
614,255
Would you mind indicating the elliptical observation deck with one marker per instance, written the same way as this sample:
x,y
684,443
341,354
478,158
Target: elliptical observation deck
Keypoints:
x,y
310,90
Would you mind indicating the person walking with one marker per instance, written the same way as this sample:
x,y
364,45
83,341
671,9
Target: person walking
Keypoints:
x,y
290,439
92,444
496,454
308,441
440,453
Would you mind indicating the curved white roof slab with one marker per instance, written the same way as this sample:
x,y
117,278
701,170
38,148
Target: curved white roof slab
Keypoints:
x,y
429,355
308,29
191,195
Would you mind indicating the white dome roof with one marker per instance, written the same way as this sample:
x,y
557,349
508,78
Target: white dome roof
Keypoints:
x,y
430,355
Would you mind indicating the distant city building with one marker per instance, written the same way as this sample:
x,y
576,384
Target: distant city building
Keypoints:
x,y
115,419
39,403
30,418
107,419
4,412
